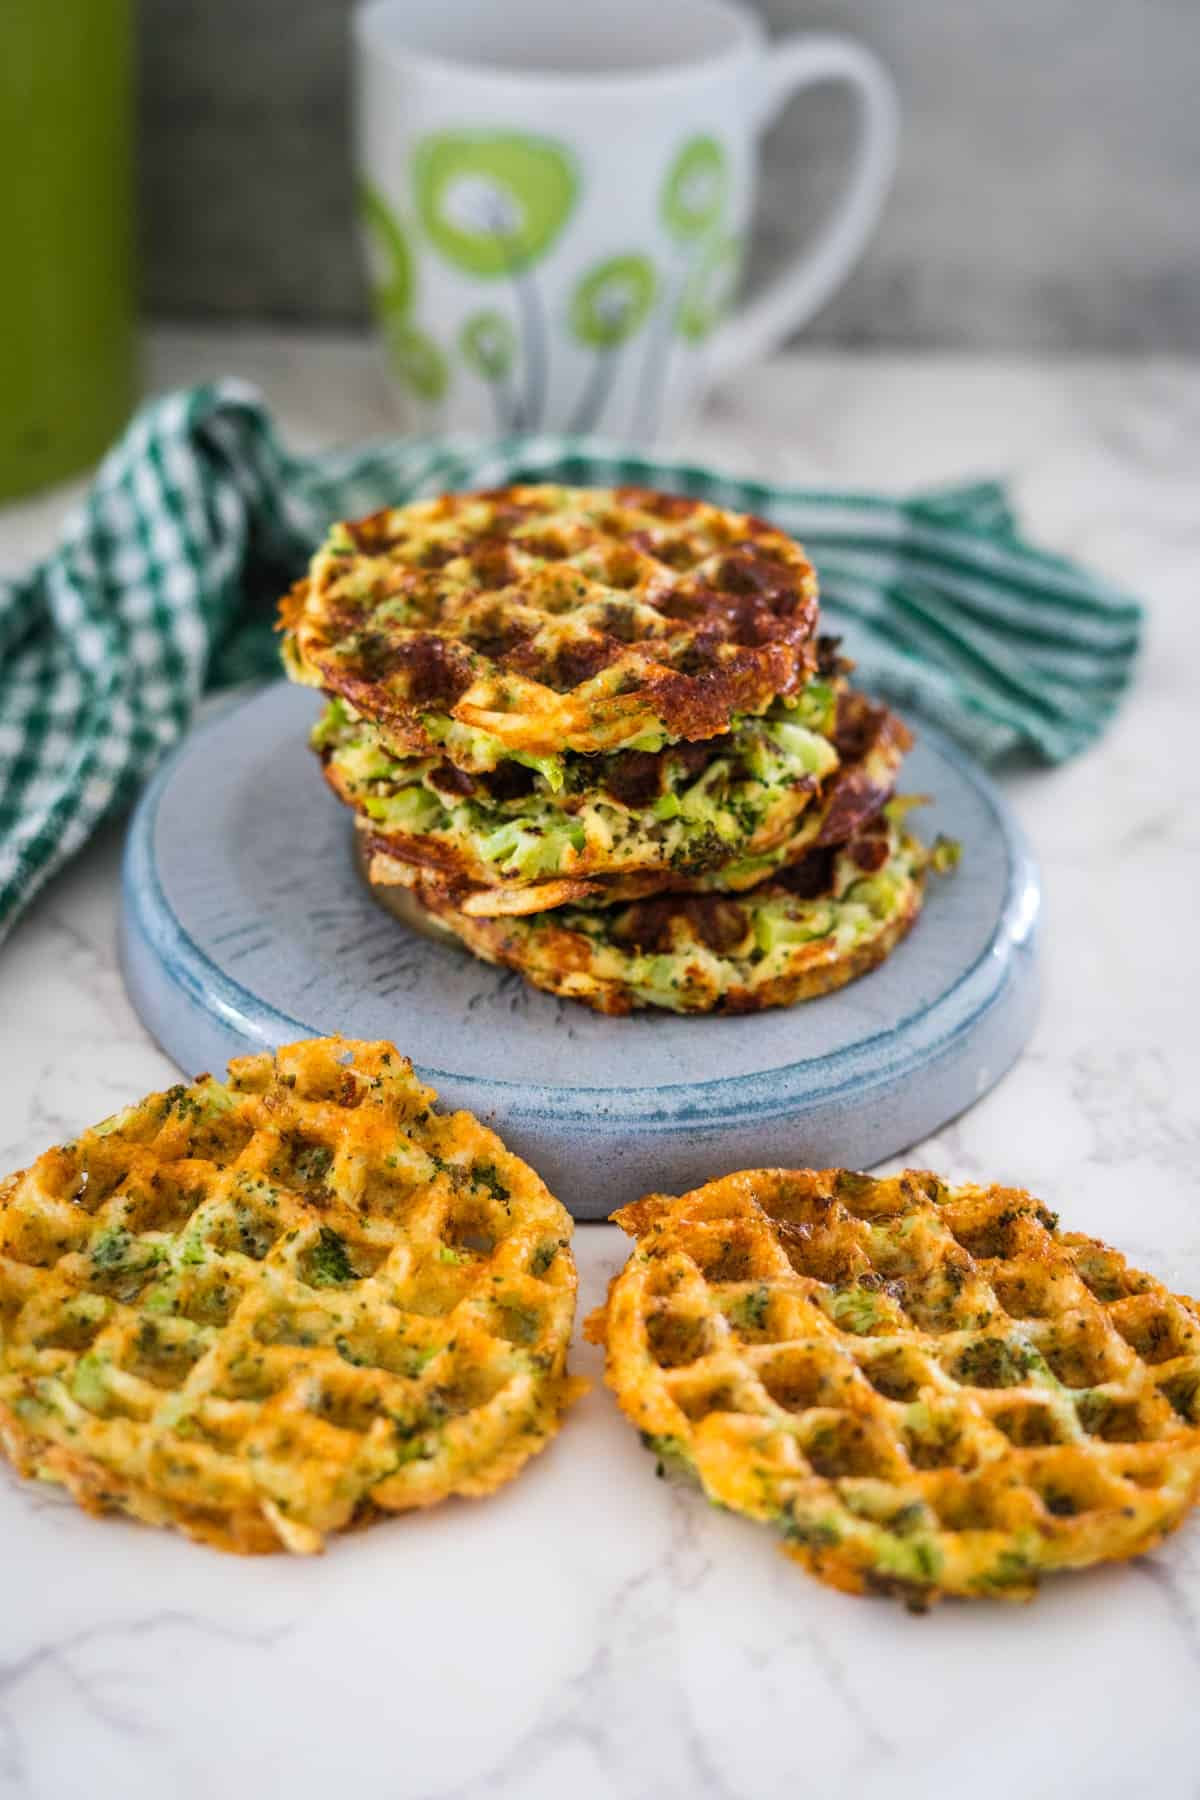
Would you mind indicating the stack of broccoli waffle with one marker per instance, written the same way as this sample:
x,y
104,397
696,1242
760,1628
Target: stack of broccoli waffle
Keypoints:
x,y
594,733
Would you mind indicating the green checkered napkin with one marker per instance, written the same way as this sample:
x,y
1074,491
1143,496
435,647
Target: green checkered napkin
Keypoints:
x,y
164,583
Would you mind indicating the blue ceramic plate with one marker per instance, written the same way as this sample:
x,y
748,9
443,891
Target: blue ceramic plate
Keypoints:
x,y
245,924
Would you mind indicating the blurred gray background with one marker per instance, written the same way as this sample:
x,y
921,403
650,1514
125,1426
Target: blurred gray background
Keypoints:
x,y
1048,194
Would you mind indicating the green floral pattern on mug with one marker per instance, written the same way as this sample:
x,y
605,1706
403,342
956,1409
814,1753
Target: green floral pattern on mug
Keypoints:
x,y
395,291
609,305
693,204
696,189
493,202
488,344
612,300
415,357
709,290
417,360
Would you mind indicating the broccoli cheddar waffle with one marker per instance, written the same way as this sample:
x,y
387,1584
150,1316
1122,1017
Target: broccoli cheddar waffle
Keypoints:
x,y
595,735
264,1309
728,811
810,929
539,619
927,1389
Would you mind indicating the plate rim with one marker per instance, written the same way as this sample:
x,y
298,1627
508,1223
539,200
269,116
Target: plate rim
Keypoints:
x,y
793,1086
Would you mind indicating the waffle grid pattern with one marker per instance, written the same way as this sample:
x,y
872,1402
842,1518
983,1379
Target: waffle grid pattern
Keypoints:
x,y
927,1389
555,618
263,1311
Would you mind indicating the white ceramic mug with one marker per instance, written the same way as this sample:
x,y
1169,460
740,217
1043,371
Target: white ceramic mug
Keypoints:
x,y
556,199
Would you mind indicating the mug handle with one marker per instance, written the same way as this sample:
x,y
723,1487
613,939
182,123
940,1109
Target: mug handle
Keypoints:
x,y
793,296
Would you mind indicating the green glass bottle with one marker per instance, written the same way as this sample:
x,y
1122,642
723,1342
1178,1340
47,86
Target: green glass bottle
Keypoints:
x,y
67,365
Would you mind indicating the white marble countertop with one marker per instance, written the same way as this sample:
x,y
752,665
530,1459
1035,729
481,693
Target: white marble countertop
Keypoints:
x,y
590,1630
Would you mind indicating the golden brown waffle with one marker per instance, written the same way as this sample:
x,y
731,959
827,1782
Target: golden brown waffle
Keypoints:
x,y
266,1309
541,619
928,1389
806,931
650,859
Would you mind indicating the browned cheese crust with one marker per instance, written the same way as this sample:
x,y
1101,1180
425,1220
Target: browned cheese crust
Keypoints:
x,y
927,1389
555,618
267,1310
